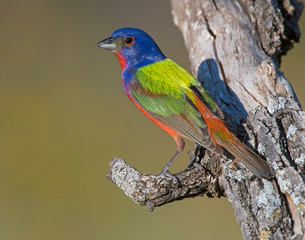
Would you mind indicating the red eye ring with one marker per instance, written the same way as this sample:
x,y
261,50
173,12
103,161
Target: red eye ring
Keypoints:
x,y
129,41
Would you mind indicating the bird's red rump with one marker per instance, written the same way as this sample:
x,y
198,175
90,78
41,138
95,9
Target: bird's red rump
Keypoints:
x,y
215,125
122,60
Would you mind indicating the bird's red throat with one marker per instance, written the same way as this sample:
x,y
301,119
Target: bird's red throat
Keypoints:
x,y
122,60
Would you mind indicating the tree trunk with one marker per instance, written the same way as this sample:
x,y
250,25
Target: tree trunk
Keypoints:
x,y
235,48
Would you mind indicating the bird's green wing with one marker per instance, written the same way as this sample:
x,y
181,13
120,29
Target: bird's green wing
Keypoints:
x,y
168,78
161,89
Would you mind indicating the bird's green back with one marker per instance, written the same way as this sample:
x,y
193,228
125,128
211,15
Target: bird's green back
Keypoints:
x,y
167,82
165,77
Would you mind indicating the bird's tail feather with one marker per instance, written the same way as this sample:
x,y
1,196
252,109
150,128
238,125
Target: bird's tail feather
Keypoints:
x,y
248,157
223,137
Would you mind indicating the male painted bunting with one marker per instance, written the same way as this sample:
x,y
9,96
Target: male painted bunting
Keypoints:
x,y
175,100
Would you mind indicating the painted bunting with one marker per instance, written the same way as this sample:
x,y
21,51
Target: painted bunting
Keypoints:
x,y
174,99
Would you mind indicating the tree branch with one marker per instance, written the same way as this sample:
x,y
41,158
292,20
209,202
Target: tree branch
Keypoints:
x,y
152,191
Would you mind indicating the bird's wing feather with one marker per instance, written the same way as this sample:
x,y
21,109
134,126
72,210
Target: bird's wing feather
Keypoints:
x,y
161,88
167,77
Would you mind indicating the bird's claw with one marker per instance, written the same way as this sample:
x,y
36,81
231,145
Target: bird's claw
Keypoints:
x,y
194,162
198,165
170,175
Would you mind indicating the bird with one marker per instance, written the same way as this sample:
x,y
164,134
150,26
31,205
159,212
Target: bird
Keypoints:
x,y
175,100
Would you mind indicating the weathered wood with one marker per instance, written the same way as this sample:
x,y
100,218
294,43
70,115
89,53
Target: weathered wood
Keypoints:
x,y
235,48
152,191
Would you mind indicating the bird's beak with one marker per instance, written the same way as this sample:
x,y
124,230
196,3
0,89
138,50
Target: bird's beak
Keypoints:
x,y
107,43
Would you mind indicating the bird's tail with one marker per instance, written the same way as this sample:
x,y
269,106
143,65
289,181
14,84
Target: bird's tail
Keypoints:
x,y
248,157
223,137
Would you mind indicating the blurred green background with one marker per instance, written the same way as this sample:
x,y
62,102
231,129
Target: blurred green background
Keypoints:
x,y
64,116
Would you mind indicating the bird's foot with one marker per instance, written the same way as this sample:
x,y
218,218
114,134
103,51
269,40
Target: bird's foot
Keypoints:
x,y
172,176
195,162
198,165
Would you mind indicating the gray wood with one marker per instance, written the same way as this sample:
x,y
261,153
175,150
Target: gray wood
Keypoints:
x,y
235,48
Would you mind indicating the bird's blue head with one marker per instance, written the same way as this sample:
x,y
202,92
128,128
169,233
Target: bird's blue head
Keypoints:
x,y
133,47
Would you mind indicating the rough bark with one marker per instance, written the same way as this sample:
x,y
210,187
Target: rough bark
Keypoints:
x,y
235,49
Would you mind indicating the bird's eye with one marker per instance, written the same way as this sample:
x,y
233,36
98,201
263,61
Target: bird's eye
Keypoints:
x,y
129,41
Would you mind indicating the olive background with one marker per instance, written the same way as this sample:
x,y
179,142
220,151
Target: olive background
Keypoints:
x,y
64,116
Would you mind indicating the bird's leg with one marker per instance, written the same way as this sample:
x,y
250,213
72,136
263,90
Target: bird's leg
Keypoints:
x,y
166,167
165,171
194,161
194,156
